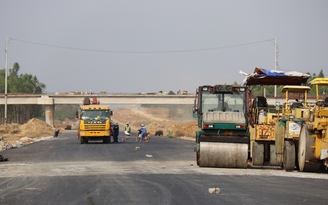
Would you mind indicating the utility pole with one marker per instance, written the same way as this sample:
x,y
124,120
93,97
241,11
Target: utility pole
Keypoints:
x,y
275,62
6,75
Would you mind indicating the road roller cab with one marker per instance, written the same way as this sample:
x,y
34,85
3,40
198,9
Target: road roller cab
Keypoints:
x,y
223,138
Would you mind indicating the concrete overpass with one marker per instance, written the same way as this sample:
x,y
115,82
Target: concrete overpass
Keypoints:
x,y
50,100
110,99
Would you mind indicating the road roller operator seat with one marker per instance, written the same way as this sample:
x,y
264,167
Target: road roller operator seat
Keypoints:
x,y
262,102
223,106
296,105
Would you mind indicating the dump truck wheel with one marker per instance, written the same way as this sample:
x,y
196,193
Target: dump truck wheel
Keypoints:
x,y
106,140
82,140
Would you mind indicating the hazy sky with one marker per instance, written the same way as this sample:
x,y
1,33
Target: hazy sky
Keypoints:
x,y
150,45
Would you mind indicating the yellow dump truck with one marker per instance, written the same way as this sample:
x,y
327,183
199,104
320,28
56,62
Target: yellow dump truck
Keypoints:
x,y
94,121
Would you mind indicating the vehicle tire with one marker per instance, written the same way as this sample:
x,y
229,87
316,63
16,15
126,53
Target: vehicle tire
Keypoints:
x,y
137,139
273,156
258,154
147,138
106,140
289,156
82,140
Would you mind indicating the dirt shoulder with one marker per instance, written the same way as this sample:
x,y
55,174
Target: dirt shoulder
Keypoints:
x,y
172,121
15,135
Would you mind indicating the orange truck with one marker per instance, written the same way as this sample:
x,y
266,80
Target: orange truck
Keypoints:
x,y
94,121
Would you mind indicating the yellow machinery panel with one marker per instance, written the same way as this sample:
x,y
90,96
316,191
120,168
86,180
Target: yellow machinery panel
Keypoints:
x,y
303,113
265,132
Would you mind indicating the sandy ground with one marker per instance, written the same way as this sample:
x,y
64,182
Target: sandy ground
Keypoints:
x,y
34,128
173,122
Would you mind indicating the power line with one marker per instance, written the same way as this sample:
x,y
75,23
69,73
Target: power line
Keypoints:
x,y
141,52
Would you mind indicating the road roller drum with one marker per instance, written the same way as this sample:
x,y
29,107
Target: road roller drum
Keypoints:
x,y
225,155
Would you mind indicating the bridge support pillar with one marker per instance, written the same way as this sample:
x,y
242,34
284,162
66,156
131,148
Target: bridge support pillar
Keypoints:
x,y
49,114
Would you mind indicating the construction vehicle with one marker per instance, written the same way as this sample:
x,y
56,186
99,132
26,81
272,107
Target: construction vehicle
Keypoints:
x,y
266,128
223,140
184,92
313,139
94,121
262,132
275,129
293,115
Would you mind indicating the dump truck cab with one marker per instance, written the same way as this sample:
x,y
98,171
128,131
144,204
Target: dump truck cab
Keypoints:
x,y
94,121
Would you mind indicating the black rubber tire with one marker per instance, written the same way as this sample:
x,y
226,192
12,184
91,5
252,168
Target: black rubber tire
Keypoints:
x,y
147,138
106,140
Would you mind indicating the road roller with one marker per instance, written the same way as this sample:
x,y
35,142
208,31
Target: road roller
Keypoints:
x,y
313,138
274,129
223,138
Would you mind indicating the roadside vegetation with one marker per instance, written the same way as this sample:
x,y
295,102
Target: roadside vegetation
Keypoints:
x,y
20,83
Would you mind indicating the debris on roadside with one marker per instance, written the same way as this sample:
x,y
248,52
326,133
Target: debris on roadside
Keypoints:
x,y
68,127
2,159
214,190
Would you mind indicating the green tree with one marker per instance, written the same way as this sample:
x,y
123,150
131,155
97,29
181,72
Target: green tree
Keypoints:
x,y
322,89
23,83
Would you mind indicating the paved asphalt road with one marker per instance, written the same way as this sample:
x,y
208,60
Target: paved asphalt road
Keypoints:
x,y
163,171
